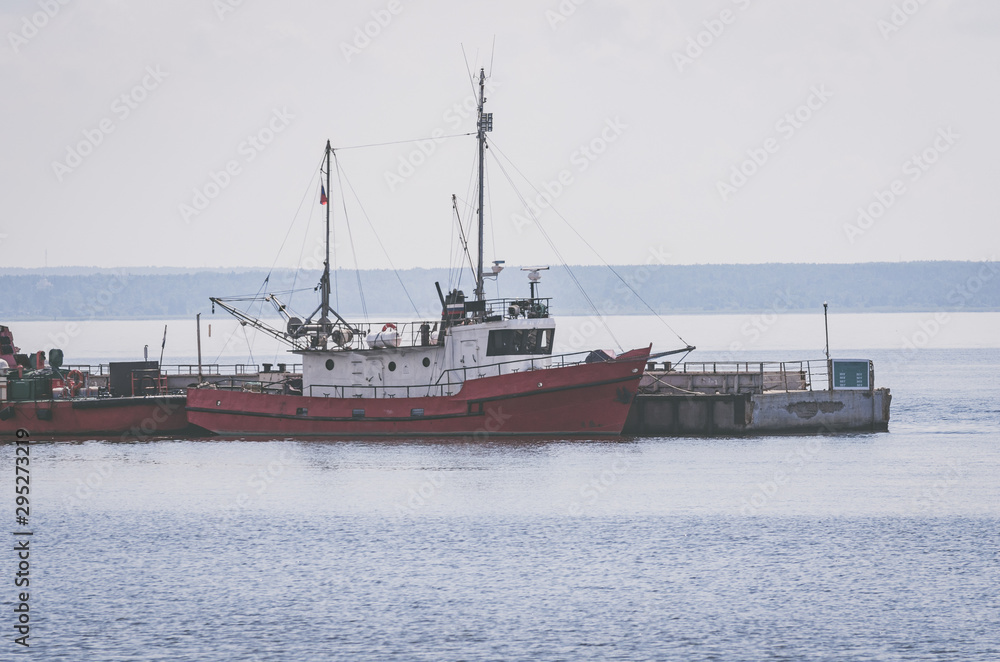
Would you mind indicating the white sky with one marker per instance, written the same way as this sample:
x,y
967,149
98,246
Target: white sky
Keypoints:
x,y
654,189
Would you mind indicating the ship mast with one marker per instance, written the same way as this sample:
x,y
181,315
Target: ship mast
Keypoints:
x,y
484,124
325,306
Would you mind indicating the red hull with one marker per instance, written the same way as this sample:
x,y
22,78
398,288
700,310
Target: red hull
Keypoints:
x,y
585,399
131,418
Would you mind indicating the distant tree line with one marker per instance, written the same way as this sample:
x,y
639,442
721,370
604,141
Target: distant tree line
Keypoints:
x,y
671,289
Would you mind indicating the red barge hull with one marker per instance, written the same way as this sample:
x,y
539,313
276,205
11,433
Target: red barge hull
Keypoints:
x,y
581,400
130,417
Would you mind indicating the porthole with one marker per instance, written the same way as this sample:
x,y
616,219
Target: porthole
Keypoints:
x,y
329,364
426,362
392,366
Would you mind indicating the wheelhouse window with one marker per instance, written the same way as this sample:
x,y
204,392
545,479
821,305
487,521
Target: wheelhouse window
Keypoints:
x,y
503,342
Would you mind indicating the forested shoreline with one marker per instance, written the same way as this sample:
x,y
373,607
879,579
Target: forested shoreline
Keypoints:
x,y
81,293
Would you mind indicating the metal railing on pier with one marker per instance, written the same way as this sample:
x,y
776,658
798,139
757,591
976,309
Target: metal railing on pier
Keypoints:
x,y
809,375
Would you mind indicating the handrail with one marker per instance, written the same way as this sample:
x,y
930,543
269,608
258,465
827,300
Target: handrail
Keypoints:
x,y
813,373
429,389
549,358
529,308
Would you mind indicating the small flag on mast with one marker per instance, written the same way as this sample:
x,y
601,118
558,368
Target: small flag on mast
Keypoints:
x,y
322,195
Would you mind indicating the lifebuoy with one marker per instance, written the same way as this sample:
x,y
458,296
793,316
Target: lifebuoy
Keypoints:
x,y
74,380
387,326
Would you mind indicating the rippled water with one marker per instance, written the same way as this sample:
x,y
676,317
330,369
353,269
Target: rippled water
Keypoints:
x,y
853,547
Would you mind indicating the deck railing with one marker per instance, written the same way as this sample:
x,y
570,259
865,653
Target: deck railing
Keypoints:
x,y
207,369
449,382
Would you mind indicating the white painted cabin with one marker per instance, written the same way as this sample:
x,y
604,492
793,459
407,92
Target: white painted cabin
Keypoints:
x,y
470,351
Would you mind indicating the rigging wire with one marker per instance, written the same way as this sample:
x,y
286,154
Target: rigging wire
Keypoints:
x,y
305,236
451,242
581,237
455,277
377,238
257,297
305,194
493,232
471,191
249,346
464,239
302,249
458,254
333,246
350,235
555,250
400,142
468,229
463,250
270,270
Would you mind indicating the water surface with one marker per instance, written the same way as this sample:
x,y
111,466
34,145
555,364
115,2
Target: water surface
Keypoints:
x,y
850,547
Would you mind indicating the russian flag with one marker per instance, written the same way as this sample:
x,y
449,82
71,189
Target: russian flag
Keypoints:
x,y
322,195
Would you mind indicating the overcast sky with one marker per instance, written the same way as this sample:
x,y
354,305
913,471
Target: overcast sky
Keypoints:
x,y
118,117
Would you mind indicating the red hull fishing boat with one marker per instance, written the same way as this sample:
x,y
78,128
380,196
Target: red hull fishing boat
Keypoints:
x,y
582,399
485,367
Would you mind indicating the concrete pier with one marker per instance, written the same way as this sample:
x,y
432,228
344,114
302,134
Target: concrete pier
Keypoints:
x,y
779,398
